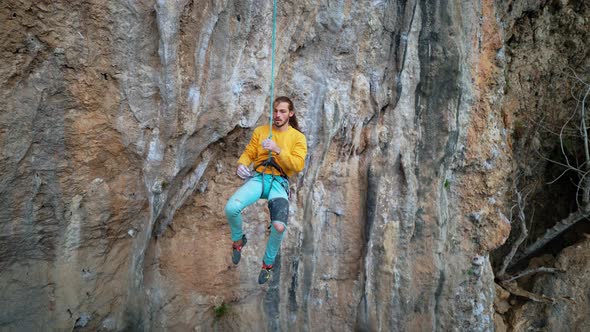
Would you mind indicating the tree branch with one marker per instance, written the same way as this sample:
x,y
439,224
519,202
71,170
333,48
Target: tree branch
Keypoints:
x,y
551,233
531,271
523,235
515,290
584,132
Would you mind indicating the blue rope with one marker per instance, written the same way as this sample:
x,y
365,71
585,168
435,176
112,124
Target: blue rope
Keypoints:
x,y
272,66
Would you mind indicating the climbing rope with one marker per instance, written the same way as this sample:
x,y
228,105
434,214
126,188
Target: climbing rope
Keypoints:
x,y
272,91
272,67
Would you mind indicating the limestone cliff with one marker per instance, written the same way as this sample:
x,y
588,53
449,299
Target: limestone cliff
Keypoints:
x,y
121,126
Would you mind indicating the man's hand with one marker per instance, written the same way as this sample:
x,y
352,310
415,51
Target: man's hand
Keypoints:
x,y
270,145
243,172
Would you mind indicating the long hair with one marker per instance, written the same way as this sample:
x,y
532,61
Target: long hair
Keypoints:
x,y
292,120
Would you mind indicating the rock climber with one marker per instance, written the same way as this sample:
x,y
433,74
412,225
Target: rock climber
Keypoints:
x,y
268,179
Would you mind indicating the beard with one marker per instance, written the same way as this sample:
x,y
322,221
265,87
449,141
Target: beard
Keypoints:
x,y
279,123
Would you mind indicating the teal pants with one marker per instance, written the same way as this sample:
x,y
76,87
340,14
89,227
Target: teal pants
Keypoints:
x,y
248,194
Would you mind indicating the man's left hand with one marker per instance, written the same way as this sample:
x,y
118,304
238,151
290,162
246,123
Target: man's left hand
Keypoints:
x,y
270,145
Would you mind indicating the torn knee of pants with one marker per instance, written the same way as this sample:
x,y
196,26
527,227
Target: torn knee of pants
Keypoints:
x,y
233,207
279,226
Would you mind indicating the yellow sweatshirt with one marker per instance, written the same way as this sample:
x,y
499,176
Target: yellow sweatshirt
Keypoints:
x,y
293,150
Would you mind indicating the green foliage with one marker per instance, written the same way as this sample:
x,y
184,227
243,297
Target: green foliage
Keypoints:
x,y
221,310
447,183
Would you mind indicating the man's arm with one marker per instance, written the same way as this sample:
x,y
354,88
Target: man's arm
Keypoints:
x,y
251,150
293,157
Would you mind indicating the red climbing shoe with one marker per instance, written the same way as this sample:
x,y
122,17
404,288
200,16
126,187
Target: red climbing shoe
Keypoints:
x,y
264,273
237,250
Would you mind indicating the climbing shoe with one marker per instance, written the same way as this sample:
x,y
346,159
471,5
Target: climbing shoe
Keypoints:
x,y
264,273
237,250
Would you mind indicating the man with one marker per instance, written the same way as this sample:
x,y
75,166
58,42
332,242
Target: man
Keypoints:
x,y
287,148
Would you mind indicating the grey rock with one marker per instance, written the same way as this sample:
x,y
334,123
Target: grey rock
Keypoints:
x,y
122,123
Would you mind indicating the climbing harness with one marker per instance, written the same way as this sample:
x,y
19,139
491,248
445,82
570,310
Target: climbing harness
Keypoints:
x,y
270,162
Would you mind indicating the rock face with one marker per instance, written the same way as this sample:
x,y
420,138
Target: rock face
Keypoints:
x,y
121,126
547,61
570,288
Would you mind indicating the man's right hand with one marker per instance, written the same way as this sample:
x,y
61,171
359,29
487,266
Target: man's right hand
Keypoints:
x,y
243,172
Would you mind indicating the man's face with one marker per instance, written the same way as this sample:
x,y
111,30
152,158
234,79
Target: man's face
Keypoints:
x,y
281,114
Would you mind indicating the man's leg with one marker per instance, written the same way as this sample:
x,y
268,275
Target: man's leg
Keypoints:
x,y
279,212
278,204
246,195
